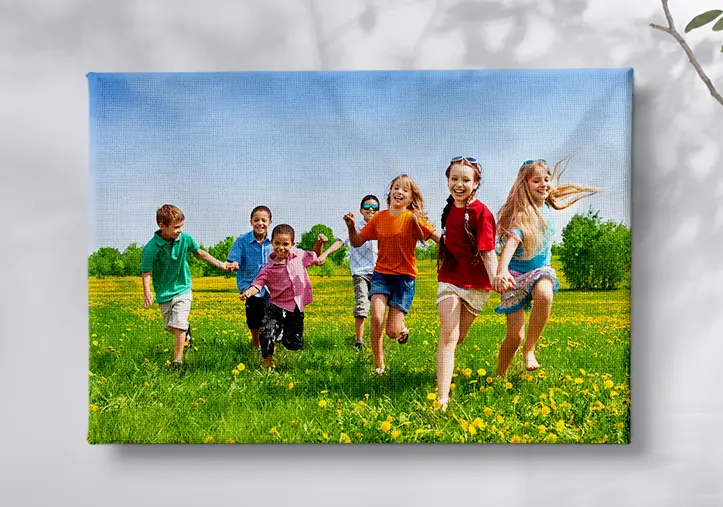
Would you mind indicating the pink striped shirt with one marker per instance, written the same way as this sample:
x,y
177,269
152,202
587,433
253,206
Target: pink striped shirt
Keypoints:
x,y
288,283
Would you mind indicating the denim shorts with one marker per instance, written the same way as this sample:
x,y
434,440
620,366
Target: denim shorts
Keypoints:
x,y
399,289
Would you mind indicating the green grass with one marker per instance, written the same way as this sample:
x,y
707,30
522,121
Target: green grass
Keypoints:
x,y
325,393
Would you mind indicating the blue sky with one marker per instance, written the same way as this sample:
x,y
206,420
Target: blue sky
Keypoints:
x,y
309,145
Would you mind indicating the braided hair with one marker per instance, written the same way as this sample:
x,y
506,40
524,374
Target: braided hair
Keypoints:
x,y
443,254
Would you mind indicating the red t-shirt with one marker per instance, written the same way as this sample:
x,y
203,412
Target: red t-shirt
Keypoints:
x,y
482,223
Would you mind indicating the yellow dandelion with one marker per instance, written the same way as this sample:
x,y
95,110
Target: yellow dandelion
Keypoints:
x,y
425,342
613,393
582,372
487,411
91,374
542,429
94,408
515,400
595,388
545,410
436,404
94,335
234,372
324,392
431,396
578,380
385,426
344,438
481,372
489,380
472,430
395,433
500,419
240,367
95,342
230,441
560,425
322,403
609,384
292,422
515,439
467,372
508,385
325,436
290,386
273,430
452,385
208,440
147,384
551,438
168,363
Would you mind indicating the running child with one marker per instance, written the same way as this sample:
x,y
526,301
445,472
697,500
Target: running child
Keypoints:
x,y
251,251
289,286
525,229
466,263
397,230
164,261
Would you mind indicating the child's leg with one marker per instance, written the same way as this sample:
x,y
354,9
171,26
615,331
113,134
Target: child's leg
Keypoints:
x,y
359,328
179,340
270,328
378,308
513,338
449,324
395,323
542,295
255,338
293,335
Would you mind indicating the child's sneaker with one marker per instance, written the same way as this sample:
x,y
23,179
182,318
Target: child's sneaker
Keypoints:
x,y
359,344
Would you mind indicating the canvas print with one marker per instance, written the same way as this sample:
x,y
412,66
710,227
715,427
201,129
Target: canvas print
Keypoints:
x,y
360,257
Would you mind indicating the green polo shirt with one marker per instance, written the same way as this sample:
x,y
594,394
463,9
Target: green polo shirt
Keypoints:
x,y
166,261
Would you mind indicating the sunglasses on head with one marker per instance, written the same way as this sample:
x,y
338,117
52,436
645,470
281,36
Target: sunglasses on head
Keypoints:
x,y
471,160
369,206
530,162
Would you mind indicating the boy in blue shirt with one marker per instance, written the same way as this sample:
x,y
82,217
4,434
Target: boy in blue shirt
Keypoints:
x,y
164,260
251,252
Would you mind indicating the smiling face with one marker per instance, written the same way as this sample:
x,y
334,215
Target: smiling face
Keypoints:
x,y
400,195
282,243
461,183
260,222
369,213
172,231
538,183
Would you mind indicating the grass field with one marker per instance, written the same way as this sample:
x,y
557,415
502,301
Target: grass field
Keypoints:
x,y
325,393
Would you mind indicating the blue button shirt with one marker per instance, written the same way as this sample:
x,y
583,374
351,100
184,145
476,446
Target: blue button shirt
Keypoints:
x,y
251,257
543,256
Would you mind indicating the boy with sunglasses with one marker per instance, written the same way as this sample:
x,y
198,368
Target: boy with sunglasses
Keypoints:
x,y
361,264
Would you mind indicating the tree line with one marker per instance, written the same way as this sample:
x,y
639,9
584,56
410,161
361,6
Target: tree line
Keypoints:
x,y
594,253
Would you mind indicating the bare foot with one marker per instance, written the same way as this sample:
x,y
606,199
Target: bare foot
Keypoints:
x,y
378,371
531,363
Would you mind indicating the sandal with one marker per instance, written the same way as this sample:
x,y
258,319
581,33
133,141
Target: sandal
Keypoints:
x,y
403,337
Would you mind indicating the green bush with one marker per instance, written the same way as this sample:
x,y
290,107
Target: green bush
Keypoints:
x,y
595,254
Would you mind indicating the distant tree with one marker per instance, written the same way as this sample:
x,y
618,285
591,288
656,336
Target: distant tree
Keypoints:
x,y
427,252
595,254
131,258
220,250
195,265
105,261
308,239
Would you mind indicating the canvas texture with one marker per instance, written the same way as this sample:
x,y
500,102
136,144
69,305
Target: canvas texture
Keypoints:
x,y
509,188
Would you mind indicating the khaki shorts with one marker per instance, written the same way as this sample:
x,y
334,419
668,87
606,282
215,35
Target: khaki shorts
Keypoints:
x,y
473,299
175,312
362,284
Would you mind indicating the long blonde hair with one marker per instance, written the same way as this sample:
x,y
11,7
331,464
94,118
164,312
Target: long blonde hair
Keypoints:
x,y
417,204
519,210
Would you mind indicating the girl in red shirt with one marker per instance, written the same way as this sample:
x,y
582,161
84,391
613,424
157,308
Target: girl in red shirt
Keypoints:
x,y
466,264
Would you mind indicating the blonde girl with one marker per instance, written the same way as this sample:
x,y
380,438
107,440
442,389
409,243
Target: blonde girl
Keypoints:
x,y
525,231
397,230
466,263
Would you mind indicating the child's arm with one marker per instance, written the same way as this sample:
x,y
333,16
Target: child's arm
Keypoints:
x,y
354,239
489,259
213,261
321,259
251,291
436,236
147,295
423,230
504,280
320,240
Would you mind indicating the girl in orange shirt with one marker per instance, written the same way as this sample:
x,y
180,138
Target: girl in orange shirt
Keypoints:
x,y
397,230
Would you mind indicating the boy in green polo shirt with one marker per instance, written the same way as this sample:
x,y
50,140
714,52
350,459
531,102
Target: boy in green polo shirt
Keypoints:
x,y
164,260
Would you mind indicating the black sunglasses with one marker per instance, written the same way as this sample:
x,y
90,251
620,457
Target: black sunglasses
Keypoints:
x,y
369,206
530,162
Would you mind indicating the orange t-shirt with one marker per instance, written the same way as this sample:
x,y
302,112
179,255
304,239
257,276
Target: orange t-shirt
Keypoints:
x,y
397,240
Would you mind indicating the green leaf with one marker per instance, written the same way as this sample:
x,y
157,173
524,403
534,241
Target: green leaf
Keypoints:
x,y
702,19
718,26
